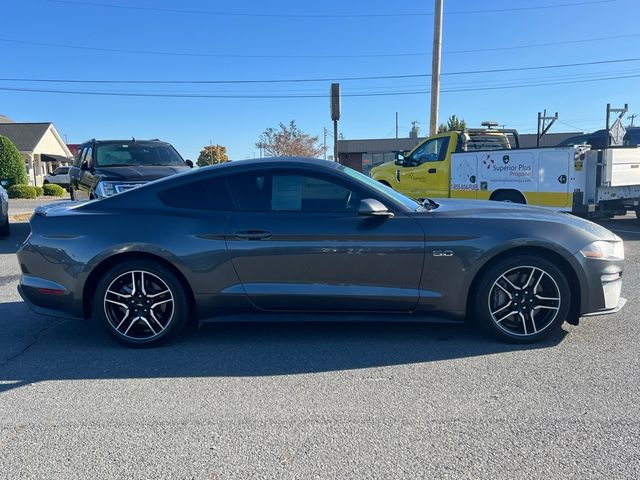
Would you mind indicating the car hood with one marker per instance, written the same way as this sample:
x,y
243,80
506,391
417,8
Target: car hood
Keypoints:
x,y
504,211
138,173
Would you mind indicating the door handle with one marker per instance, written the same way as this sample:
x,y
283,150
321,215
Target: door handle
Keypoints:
x,y
253,235
432,170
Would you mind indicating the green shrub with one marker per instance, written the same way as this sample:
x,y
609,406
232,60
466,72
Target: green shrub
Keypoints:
x,y
39,191
53,190
11,164
22,191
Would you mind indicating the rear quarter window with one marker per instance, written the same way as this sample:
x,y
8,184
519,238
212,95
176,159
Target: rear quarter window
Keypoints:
x,y
210,194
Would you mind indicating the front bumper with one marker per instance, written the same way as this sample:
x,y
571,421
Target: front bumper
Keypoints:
x,y
601,286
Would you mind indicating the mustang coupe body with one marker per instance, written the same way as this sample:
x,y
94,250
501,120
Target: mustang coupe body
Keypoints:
x,y
289,235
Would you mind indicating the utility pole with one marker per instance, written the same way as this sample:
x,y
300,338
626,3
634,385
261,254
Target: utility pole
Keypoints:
x,y
632,117
325,143
542,127
435,67
396,125
210,153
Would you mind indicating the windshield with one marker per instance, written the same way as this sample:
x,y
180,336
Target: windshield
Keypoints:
x,y
383,189
137,154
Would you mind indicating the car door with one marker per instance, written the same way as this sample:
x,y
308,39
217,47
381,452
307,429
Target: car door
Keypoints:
x,y
297,243
426,173
86,180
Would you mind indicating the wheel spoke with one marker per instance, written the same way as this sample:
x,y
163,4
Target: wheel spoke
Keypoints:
x,y
133,321
146,322
162,302
533,271
503,277
502,308
123,319
133,283
154,295
155,319
117,303
533,321
144,292
524,322
546,307
501,319
503,289
123,295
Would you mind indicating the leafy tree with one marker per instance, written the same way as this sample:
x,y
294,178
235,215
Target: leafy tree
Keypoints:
x,y
11,163
454,123
212,154
289,141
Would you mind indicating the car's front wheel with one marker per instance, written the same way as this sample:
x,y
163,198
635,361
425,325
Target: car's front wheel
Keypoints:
x,y
522,299
141,303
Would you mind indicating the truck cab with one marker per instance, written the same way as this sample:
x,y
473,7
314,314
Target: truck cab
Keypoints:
x,y
426,170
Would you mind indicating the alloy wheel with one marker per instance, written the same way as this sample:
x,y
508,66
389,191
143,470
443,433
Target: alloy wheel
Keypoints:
x,y
139,305
524,301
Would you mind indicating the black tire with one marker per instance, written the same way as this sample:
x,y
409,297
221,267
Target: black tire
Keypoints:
x,y
510,197
71,194
638,214
535,315
5,229
148,328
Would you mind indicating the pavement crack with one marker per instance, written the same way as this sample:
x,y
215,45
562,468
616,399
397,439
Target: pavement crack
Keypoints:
x,y
31,343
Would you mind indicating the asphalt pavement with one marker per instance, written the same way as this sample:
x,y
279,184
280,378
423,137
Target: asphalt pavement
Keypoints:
x,y
320,400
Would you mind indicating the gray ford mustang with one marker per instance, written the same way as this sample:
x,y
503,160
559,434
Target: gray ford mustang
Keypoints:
x,y
292,235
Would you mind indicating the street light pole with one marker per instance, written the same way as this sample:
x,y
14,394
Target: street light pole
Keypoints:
x,y
435,67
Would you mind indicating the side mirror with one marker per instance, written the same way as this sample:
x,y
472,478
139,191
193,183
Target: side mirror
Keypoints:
x,y
373,207
52,174
189,162
85,166
399,158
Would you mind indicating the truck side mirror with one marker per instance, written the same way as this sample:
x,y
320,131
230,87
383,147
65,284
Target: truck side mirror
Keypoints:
x,y
399,158
189,163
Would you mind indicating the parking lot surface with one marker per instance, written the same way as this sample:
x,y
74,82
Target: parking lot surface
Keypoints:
x,y
320,400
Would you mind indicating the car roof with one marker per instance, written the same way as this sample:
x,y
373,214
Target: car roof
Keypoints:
x,y
280,161
128,140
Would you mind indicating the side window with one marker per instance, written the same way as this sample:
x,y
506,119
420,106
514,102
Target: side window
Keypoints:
x,y
61,170
432,151
291,192
88,156
79,156
209,194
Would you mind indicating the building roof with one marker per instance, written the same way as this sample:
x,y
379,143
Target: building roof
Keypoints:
x,y
5,119
25,136
378,145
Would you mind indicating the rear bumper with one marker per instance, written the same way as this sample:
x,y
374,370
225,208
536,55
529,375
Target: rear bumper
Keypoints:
x,y
45,297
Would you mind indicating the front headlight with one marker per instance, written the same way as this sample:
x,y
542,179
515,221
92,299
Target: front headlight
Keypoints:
x,y
105,189
604,250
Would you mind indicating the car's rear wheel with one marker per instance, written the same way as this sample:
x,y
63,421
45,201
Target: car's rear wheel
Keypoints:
x,y
522,299
141,303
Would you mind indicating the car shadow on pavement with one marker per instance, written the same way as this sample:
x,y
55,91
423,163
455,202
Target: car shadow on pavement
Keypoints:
x,y
69,350
19,232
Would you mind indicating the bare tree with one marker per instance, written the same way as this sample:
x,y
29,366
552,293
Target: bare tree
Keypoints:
x,y
289,141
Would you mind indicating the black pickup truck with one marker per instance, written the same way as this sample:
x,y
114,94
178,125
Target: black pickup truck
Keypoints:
x,y
105,167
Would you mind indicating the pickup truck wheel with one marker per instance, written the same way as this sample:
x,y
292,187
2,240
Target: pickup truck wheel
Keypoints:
x,y
141,303
522,299
509,197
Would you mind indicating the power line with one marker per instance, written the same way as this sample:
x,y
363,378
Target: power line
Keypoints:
x,y
332,15
298,96
327,79
271,56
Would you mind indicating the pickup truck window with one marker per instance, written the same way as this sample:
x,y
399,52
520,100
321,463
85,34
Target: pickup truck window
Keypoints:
x,y
432,151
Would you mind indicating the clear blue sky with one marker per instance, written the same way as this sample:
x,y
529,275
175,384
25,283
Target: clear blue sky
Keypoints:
x,y
305,46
